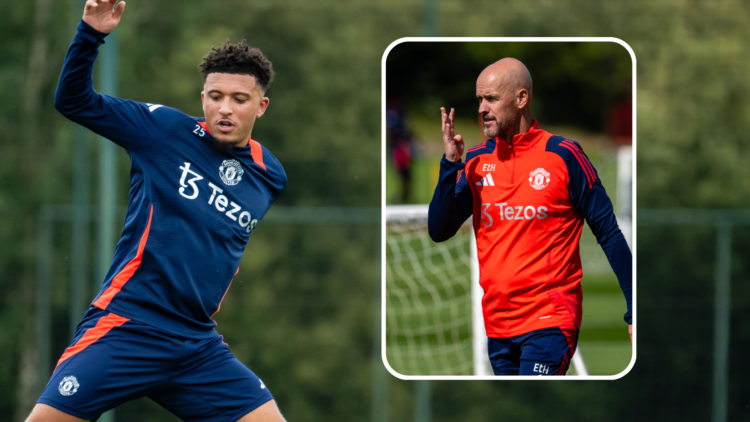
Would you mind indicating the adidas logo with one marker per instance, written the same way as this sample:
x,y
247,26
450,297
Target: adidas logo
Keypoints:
x,y
486,181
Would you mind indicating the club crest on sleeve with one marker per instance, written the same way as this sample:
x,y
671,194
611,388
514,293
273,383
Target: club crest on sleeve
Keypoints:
x,y
230,172
539,179
68,386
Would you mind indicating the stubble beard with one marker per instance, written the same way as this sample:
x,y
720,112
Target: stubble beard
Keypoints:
x,y
223,146
502,127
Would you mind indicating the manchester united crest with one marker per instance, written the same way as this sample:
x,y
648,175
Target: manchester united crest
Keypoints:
x,y
539,179
230,172
68,386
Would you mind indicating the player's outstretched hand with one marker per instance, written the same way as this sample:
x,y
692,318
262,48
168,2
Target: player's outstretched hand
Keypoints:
x,y
102,15
454,144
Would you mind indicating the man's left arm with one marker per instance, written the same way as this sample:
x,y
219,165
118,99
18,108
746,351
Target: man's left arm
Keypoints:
x,y
591,200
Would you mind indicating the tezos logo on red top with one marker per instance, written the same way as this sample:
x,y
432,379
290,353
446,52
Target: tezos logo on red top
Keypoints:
x,y
230,172
539,179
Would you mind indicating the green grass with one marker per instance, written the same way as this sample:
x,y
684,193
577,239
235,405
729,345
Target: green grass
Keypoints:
x,y
604,341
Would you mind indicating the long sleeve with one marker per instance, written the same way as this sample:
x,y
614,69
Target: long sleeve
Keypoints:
x,y
130,124
591,200
598,212
451,203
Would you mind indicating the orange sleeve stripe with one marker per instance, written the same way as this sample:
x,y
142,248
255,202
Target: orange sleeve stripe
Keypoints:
x,y
225,293
203,125
222,299
102,327
127,272
257,152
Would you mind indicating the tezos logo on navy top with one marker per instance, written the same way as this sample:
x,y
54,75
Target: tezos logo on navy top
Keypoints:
x,y
539,179
230,172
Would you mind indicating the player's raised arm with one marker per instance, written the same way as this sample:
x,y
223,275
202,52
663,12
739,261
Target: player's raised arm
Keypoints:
x,y
452,201
454,144
130,124
103,15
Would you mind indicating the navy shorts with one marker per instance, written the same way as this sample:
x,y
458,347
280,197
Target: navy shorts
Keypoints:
x,y
541,352
113,359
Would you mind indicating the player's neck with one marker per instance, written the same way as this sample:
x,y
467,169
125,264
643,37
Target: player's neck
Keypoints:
x,y
244,143
522,125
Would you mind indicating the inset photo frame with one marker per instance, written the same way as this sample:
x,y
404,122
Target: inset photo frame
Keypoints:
x,y
508,208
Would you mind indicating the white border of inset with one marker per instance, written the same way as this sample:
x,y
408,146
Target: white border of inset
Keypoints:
x,y
383,220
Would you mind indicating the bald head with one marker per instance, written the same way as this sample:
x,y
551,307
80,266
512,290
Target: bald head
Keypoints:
x,y
508,74
504,94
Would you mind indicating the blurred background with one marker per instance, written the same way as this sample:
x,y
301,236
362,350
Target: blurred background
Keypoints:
x,y
303,311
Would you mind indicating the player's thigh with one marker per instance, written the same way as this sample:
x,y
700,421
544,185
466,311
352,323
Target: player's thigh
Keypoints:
x,y
547,352
44,413
111,360
267,412
504,356
212,386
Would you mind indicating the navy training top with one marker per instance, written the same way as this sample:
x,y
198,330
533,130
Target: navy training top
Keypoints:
x,y
191,210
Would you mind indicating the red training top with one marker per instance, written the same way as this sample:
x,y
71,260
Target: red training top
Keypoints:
x,y
529,200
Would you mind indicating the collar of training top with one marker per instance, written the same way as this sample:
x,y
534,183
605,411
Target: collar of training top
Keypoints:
x,y
524,141
252,147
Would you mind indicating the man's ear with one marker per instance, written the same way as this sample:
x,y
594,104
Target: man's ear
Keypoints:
x,y
522,98
263,106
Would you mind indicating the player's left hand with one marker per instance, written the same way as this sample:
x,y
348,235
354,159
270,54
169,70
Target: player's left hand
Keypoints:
x,y
102,15
630,331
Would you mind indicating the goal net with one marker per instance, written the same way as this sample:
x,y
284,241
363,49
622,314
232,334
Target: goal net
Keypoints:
x,y
428,296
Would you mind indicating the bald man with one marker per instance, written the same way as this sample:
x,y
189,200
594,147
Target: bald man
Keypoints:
x,y
529,192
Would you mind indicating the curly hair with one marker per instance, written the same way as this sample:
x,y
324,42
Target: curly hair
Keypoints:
x,y
238,59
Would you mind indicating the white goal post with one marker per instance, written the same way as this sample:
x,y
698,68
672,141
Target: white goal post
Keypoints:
x,y
434,322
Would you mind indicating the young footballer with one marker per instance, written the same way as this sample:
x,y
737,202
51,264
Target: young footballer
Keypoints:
x,y
199,188
529,192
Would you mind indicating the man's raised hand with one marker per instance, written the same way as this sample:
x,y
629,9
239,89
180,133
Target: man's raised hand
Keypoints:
x,y
454,144
102,15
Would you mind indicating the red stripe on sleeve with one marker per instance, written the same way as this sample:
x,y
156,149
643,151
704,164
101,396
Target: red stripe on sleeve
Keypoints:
x,y
102,327
127,272
579,152
586,163
480,146
588,176
585,160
